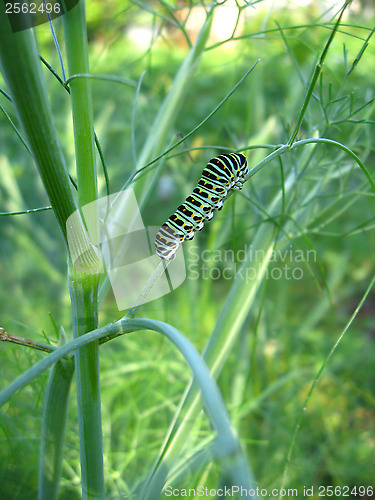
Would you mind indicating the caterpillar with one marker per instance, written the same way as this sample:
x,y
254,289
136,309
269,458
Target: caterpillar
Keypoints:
x,y
222,174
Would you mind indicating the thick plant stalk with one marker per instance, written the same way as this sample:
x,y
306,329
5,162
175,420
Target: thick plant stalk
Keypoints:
x,y
74,23
21,69
83,293
22,72
84,287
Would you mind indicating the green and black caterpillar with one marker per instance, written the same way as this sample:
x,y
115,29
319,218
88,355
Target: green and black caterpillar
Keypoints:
x,y
222,174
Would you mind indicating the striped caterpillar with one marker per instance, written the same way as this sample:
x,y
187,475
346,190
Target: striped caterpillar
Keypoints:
x,y
222,174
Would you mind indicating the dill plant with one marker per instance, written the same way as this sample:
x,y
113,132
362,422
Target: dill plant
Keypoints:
x,y
298,193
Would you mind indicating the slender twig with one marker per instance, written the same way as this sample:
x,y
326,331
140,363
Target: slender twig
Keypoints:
x,y
7,337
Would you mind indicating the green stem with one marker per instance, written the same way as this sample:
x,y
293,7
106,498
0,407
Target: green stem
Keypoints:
x,y
165,119
314,79
21,68
228,449
302,414
83,293
84,287
74,22
22,72
53,429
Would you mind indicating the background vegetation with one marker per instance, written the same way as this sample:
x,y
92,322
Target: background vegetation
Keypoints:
x,y
292,324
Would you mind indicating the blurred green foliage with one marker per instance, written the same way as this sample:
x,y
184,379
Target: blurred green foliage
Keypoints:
x,y
141,378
